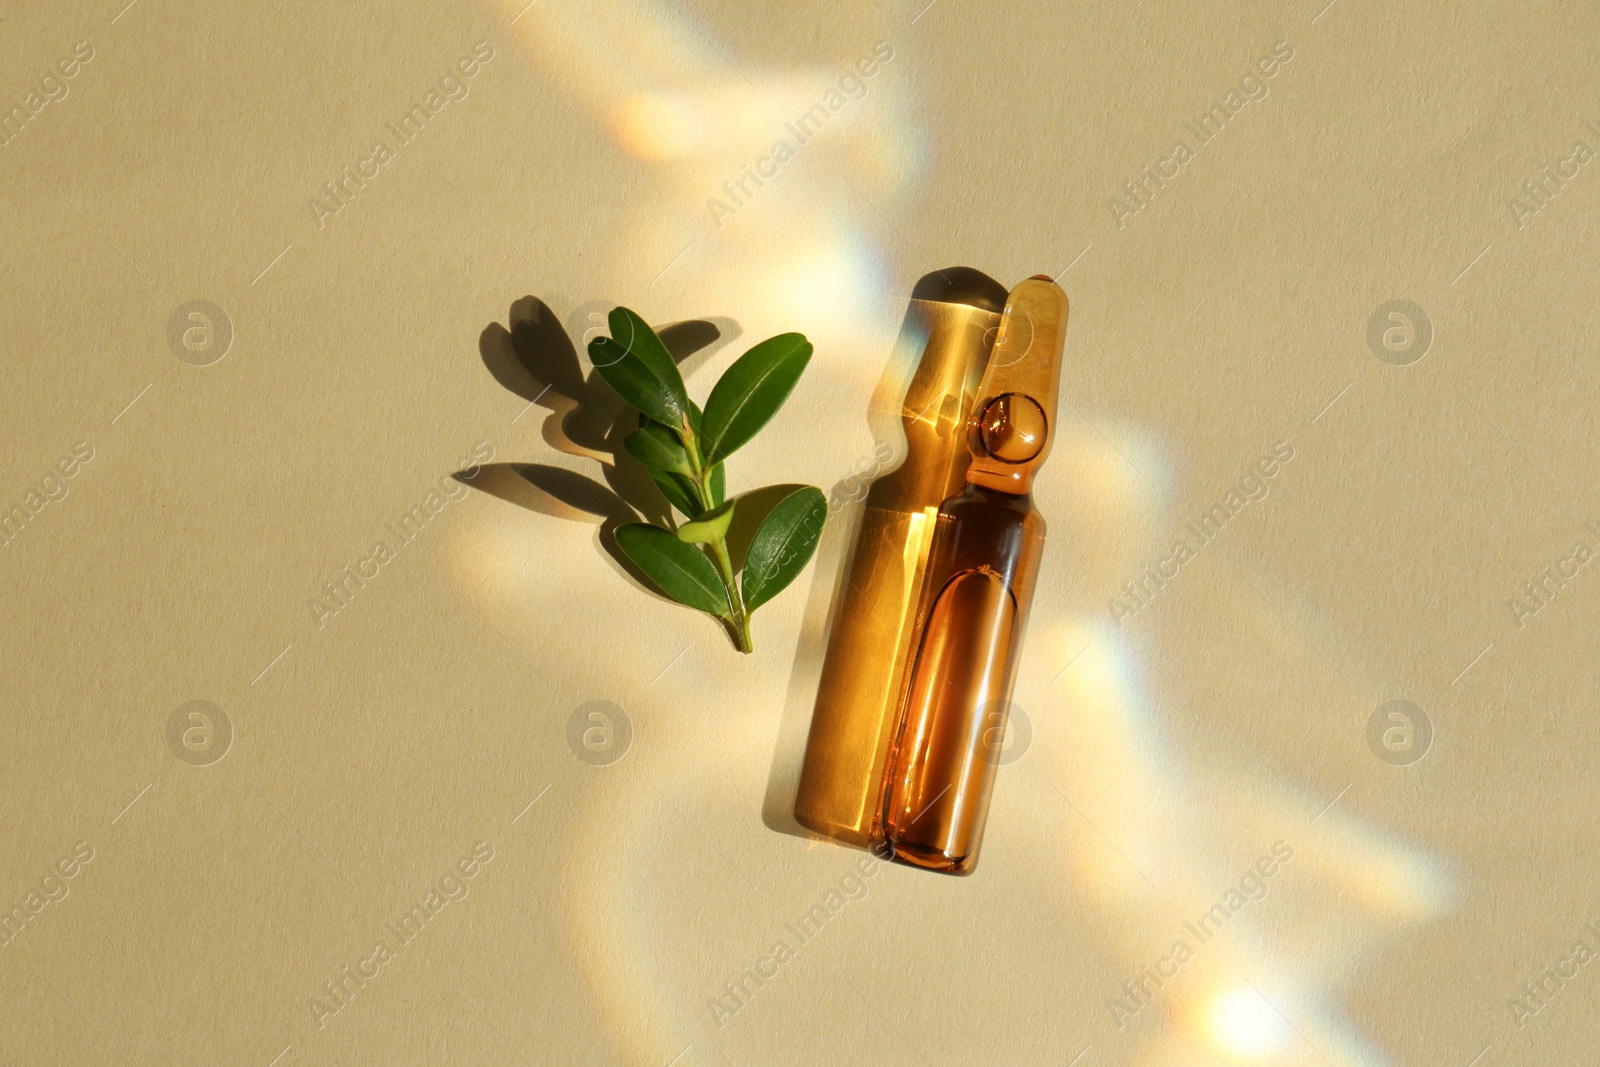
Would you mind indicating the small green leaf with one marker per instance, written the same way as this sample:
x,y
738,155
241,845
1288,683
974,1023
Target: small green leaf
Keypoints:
x,y
658,448
712,526
627,374
678,490
783,545
683,572
750,392
633,333
635,363
719,484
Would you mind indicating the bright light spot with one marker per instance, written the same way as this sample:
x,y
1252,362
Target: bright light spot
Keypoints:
x,y
655,128
826,281
1244,1025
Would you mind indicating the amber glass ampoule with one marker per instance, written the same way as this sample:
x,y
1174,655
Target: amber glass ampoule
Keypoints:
x,y
926,399
982,564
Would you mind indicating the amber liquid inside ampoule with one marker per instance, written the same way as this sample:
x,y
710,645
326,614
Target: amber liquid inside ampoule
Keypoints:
x,y
980,578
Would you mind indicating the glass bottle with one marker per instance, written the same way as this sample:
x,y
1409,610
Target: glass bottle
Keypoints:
x,y
982,564
922,407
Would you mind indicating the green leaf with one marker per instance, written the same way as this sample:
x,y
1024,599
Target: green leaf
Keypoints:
x,y
683,572
712,526
627,374
635,363
678,490
750,392
719,484
633,333
658,448
783,545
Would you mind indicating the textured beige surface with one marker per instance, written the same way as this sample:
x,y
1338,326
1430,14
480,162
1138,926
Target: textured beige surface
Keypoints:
x,y
381,752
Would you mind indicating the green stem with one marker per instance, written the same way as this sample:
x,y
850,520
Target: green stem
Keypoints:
x,y
691,444
719,548
741,618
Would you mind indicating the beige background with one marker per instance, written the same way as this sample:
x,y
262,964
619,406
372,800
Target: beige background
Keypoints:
x,y
1171,747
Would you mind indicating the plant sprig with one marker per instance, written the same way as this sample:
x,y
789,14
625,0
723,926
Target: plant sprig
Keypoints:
x,y
684,447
